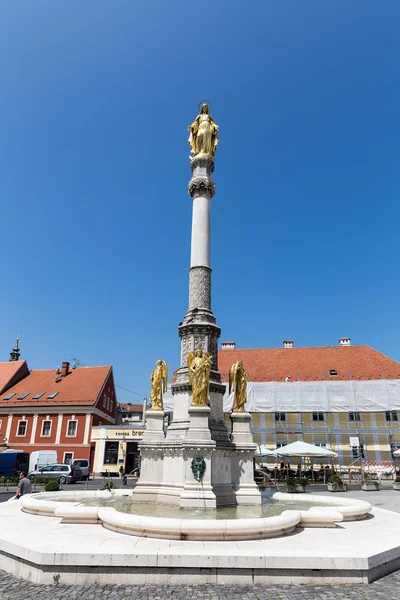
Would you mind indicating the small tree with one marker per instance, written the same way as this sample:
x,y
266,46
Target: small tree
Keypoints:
x,y
304,482
291,483
52,486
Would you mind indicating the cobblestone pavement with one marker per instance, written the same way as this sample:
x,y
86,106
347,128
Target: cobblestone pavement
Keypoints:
x,y
387,588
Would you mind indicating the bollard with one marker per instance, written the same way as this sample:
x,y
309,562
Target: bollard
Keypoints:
x,y
87,483
7,484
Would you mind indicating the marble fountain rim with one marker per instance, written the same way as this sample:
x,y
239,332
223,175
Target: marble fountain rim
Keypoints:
x,y
335,511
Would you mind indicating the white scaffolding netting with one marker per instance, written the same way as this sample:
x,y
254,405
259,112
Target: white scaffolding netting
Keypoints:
x,y
316,396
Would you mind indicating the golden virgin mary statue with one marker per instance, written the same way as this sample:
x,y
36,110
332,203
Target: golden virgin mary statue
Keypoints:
x,y
203,138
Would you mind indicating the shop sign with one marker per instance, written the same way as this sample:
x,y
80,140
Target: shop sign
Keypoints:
x,y
134,432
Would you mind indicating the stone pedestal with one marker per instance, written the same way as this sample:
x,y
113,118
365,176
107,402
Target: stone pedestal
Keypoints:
x,y
198,445
246,490
151,466
154,432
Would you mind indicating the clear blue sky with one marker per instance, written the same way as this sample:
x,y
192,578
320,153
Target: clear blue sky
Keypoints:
x,y
95,229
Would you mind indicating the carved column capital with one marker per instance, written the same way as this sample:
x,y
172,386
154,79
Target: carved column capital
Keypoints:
x,y
201,185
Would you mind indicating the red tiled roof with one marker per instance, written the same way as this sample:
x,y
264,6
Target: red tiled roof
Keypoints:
x,y
310,364
130,407
8,370
79,387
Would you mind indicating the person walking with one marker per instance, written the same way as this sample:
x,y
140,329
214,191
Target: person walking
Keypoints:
x,y
24,486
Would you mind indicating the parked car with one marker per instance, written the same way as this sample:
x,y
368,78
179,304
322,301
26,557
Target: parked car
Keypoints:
x,y
63,473
12,462
84,465
42,458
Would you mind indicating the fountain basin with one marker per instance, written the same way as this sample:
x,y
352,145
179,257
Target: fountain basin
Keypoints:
x,y
334,511
39,547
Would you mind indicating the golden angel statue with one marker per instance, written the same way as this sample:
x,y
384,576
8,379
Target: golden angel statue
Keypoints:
x,y
199,376
203,138
238,384
159,383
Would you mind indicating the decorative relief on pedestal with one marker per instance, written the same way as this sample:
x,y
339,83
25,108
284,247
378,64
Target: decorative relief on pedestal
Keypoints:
x,y
204,336
201,185
200,288
213,350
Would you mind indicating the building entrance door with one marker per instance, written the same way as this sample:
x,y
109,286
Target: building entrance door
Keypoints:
x,y
132,456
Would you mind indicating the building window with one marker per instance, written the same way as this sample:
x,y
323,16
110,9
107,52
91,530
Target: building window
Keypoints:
x,y
104,401
72,427
358,451
333,372
281,444
37,396
46,428
318,416
24,395
111,453
8,396
391,415
280,416
21,428
320,444
68,457
354,416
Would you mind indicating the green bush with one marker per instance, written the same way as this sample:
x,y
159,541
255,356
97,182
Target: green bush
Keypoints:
x,y
11,481
52,486
336,479
304,482
109,485
38,479
397,480
291,482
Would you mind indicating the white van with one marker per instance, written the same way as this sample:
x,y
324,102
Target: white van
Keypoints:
x,y
42,458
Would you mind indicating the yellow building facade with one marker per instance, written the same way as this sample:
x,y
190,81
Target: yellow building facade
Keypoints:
x,y
345,398
116,447
372,436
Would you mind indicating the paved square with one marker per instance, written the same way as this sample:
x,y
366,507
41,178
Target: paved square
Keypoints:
x,y
384,589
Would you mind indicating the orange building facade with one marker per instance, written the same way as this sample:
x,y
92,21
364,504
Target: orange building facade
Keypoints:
x,y
54,409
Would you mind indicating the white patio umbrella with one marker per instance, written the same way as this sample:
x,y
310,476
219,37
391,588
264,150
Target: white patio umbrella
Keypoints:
x,y
301,449
396,453
263,451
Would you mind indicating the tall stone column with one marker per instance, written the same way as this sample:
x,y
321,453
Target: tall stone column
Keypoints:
x,y
199,328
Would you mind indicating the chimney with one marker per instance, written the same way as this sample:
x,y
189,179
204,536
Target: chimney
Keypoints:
x,y
64,369
228,346
344,341
288,343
